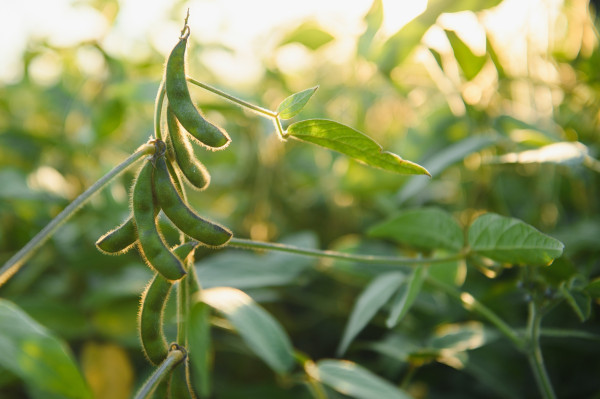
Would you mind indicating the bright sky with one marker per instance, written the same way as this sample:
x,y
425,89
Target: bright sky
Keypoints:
x,y
239,24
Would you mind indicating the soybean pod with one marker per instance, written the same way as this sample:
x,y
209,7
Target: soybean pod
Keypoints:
x,y
193,170
119,240
151,243
184,218
152,305
180,100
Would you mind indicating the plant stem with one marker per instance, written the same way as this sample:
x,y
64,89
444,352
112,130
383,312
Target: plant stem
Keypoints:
x,y
255,108
158,106
472,304
534,353
243,243
14,264
174,357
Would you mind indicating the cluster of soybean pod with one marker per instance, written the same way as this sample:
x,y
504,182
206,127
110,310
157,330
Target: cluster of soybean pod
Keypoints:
x,y
158,186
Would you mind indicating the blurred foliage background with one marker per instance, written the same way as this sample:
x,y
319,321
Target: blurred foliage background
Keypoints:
x,y
465,88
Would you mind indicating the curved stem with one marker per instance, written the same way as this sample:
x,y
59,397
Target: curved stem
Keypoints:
x,y
534,353
17,260
255,108
243,243
158,106
174,357
472,304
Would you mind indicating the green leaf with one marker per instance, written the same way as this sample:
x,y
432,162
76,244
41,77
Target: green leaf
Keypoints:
x,y
375,295
373,19
579,301
429,228
261,332
450,273
355,381
443,159
338,137
406,296
510,240
199,348
293,104
43,361
470,63
593,288
460,337
310,35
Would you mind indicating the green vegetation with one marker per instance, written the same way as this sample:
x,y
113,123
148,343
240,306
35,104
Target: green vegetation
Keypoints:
x,y
450,250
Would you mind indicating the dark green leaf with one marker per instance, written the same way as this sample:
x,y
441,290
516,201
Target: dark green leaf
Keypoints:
x,y
36,356
579,301
593,288
375,295
261,332
344,139
310,35
293,104
510,240
406,296
470,63
355,381
429,228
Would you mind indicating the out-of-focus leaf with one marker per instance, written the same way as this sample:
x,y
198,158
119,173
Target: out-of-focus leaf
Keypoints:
x,y
593,288
460,337
396,346
261,332
242,269
430,228
451,273
338,137
109,117
199,348
440,161
470,63
108,370
355,381
375,295
310,35
406,296
293,104
467,5
579,301
568,153
522,132
510,240
373,20
36,356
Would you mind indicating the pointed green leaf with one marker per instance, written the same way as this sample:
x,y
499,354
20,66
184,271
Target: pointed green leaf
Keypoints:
x,y
338,137
261,332
375,295
310,35
593,288
470,63
406,296
430,228
579,301
293,104
43,361
510,240
373,19
355,381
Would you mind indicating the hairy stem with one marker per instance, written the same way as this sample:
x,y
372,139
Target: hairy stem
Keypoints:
x,y
255,108
534,353
16,262
174,357
250,244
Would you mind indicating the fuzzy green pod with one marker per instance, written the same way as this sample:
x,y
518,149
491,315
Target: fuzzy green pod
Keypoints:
x,y
180,101
150,319
119,240
193,170
186,219
151,243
